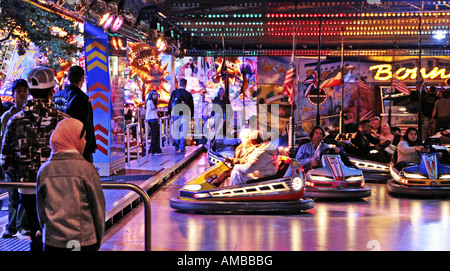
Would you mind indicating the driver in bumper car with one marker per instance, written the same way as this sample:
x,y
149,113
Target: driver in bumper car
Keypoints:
x,y
261,162
308,154
365,145
241,153
410,148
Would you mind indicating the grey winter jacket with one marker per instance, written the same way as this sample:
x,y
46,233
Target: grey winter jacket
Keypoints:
x,y
71,204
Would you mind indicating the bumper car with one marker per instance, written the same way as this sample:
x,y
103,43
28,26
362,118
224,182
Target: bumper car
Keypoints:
x,y
283,192
334,179
429,178
444,137
372,170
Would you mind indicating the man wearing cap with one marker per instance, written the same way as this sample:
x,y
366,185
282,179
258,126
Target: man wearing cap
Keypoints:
x,y
26,142
73,101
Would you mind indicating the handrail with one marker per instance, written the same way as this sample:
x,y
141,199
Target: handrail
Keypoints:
x,y
129,186
138,137
164,133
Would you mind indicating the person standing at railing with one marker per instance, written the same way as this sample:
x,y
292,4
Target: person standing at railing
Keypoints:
x,y
17,217
26,143
151,116
78,216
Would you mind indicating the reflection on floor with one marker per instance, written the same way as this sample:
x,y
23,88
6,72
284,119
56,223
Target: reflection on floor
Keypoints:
x,y
380,222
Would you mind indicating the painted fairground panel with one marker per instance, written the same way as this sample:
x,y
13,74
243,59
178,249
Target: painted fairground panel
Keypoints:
x,y
15,63
203,77
273,106
358,101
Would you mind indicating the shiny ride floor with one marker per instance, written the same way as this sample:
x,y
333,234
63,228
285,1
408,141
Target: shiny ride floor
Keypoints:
x,y
380,222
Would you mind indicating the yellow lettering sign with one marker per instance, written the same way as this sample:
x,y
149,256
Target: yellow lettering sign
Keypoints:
x,y
384,72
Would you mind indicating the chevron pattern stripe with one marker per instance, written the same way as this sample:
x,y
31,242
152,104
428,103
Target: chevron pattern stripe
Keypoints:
x,y
96,52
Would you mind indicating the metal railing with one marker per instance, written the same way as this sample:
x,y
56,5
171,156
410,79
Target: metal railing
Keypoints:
x,y
144,196
138,138
164,124
164,133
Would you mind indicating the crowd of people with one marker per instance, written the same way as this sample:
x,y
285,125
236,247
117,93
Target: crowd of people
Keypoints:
x,y
49,140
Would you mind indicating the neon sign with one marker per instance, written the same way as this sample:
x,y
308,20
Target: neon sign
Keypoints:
x,y
384,72
145,62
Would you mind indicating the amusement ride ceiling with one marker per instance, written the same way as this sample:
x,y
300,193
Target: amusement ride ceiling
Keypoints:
x,y
211,25
271,24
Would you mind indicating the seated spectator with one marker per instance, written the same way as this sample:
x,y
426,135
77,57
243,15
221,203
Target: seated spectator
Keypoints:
x,y
308,154
375,125
334,132
408,148
261,162
364,144
244,149
387,135
70,200
397,132
441,113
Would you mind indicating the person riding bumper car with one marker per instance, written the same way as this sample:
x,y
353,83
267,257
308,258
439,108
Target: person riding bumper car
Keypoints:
x,y
427,178
333,179
283,191
367,153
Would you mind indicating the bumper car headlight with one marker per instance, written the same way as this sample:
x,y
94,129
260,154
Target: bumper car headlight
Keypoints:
x,y
320,178
355,178
297,184
201,195
446,176
413,176
192,187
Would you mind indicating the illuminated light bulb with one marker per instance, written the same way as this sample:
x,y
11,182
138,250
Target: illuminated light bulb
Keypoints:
x,y
104,18
108,22
161,44
118,22
114,43
440,34
413,73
